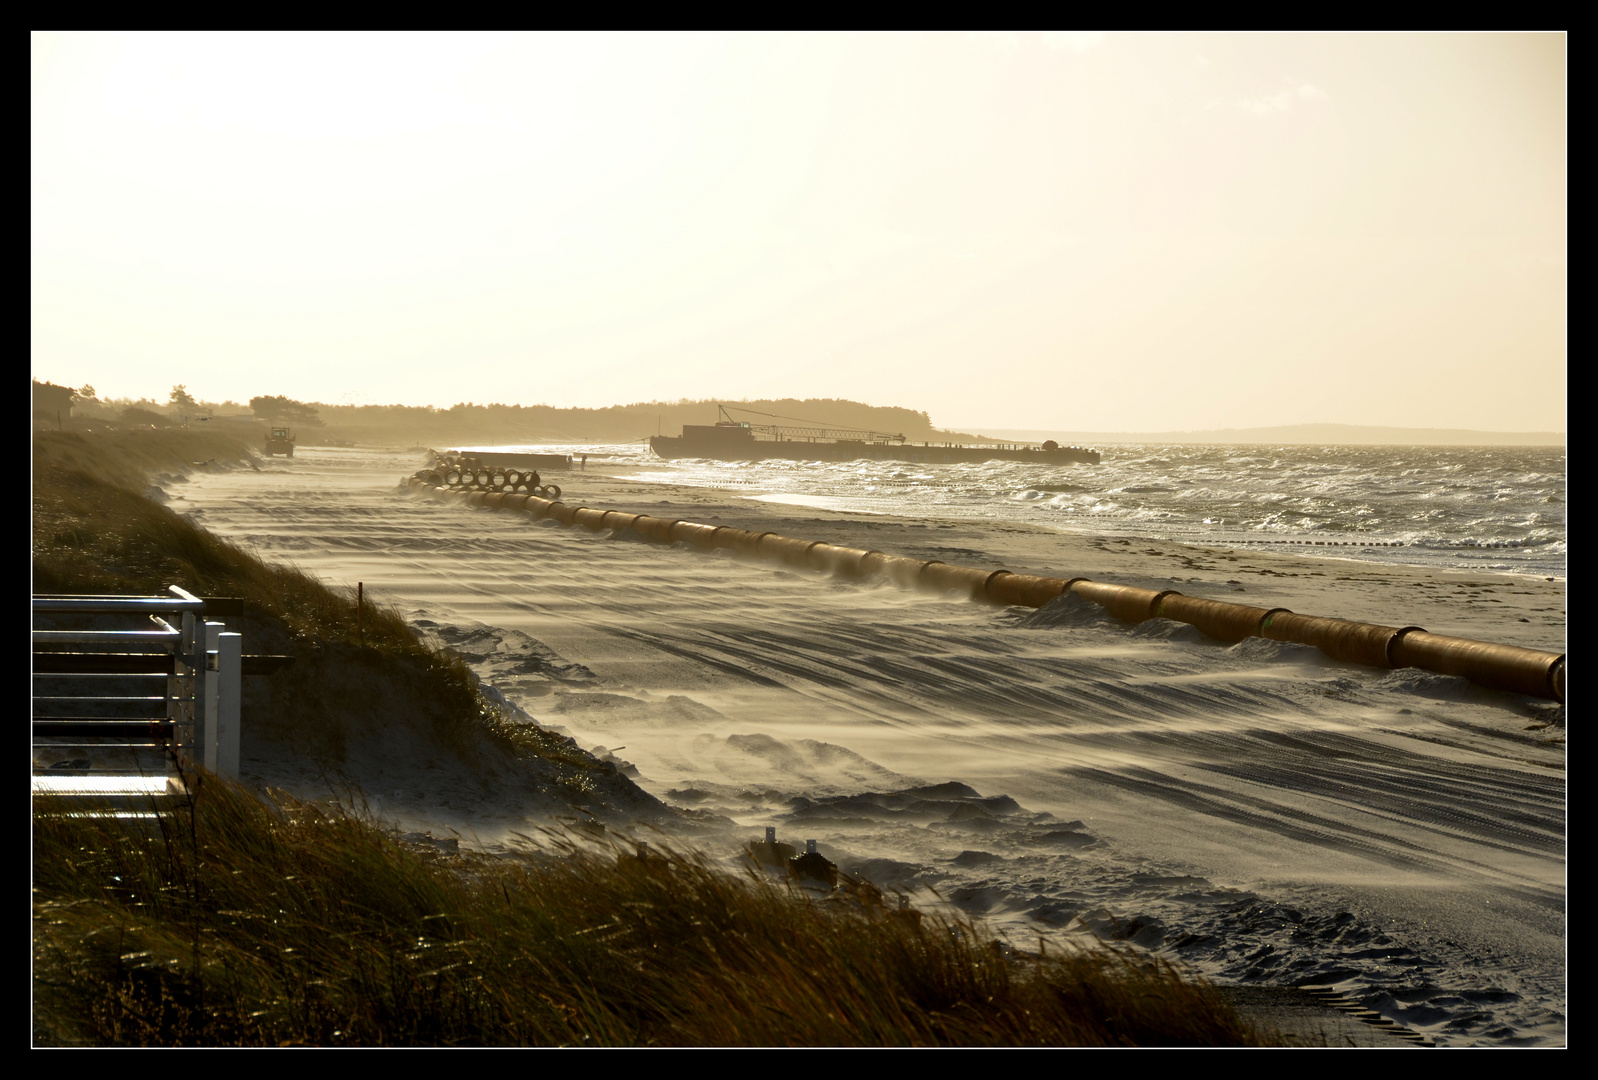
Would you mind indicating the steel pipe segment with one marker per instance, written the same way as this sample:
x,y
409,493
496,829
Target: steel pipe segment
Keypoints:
x,y
875,562
482,478
476,498
731,539
786,549
1028,590
588,518
1502,667
513,503
654,528
494,500
839,561
566,515
452,476
1218,618
747,543
903,572
513,477
1355,642
970,582
1122,601
617,521
694,534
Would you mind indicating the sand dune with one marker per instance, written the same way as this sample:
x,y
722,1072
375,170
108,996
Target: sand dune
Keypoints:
x,y
1258,810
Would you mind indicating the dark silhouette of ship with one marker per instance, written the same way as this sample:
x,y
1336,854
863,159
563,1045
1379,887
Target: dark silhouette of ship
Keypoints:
x,y
734,440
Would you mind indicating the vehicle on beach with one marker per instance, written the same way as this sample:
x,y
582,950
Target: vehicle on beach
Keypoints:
x,y
280,440
733,440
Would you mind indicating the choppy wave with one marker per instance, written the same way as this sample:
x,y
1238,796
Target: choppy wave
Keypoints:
x,y
1487,508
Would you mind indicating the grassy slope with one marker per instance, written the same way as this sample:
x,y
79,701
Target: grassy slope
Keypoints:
x,y
94,532
241,919
252,922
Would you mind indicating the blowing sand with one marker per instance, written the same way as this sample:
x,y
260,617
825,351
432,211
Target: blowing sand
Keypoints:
x,y
1258,811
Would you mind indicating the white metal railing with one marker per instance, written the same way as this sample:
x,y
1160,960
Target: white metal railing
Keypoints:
x,y
202,695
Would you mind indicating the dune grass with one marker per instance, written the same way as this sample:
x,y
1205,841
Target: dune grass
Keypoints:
x,y
95,531
231,919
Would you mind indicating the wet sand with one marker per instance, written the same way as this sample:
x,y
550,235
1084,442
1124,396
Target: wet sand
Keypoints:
x,y
1256,810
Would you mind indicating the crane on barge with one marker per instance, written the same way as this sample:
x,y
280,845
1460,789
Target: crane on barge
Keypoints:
x,y
814,434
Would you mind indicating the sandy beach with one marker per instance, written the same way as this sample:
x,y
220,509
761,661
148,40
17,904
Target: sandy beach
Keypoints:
x,y
1257,811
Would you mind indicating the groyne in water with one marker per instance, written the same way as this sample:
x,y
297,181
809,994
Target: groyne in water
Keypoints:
x,y
1532,672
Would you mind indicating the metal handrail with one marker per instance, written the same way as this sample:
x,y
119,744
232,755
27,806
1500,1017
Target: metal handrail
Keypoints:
x,y
117,604
202,696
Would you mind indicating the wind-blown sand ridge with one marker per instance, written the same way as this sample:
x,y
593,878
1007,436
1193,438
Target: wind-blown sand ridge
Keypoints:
x,y
1258,810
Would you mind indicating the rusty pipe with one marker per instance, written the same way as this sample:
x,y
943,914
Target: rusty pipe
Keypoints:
x,y
969,582
1028,590
1219,619
840,561
617,521
1122,601
1504,667
654,528
1501,667
785,550
1341,639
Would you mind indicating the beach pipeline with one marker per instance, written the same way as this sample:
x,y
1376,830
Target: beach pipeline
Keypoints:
x,y
1502,667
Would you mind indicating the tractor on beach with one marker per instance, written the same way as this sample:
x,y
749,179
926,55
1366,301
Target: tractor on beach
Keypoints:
x,y
280,440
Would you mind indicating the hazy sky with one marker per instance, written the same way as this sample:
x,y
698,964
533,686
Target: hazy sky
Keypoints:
x,y
1076,231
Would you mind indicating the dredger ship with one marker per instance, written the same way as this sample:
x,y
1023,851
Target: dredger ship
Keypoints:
x,y
735,440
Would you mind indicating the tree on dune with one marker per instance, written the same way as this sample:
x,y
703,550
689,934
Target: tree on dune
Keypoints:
x,y
286,410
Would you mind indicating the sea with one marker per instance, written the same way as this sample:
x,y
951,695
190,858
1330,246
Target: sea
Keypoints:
x,y
1486,508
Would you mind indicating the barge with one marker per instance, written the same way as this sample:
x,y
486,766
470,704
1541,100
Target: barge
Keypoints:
x,y
733,440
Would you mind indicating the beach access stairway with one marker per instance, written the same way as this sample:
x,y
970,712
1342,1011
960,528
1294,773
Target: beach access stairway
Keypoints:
x,y
129,690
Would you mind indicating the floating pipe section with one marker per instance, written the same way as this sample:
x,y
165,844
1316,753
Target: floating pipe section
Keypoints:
x,y
1532,672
